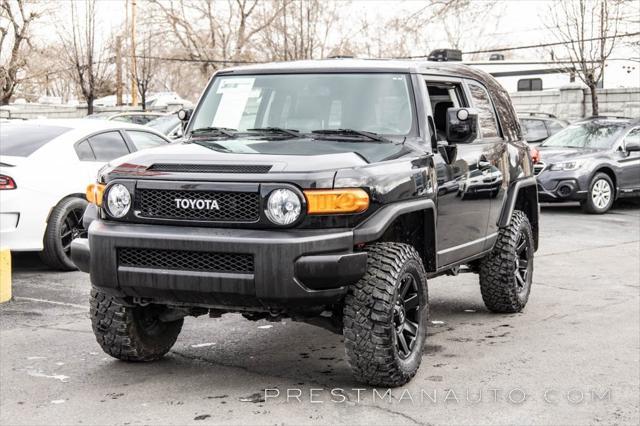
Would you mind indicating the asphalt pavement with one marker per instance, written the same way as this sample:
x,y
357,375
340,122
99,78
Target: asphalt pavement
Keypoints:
x,y
571,357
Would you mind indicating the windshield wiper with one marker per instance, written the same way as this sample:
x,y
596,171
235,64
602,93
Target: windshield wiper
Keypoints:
x,y
290,132
352,133
210,145
216,131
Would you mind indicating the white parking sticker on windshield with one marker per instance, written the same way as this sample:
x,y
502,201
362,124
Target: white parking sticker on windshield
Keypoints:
x,y
235,93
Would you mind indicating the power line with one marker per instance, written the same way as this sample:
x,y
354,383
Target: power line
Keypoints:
x,y
205,61
531,46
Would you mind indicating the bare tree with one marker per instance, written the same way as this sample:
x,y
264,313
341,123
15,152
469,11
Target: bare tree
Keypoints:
x,y
589,29
301,31
215,33
147,67
87,60
16,18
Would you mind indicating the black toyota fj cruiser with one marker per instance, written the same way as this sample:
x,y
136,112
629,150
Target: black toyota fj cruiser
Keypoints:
x,y
323,191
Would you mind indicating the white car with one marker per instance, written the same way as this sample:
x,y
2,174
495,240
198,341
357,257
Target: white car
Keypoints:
x,y
45,167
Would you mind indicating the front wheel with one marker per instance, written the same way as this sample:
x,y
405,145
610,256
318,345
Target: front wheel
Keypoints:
x,y
506,272
385,316
131,333
601,195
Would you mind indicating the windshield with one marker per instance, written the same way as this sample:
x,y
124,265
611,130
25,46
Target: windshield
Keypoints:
x,y
379,103
165,124
22,140
591,134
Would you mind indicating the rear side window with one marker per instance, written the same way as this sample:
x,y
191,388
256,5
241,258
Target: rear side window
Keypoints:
x,y
554,127
142,119
486,114
534,130
143,140
107,146
123,118
84,151
22,140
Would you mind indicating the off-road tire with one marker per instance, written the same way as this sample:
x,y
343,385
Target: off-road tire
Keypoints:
x,y
369,328
54,254
589,205
498,284
120,333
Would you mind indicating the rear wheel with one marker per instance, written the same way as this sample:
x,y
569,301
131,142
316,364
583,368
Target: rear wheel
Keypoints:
x,y
64,225
601,195
385,316
506,273
131,333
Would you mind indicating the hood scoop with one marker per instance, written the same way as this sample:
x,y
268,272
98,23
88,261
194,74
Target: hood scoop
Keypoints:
x,y
210,168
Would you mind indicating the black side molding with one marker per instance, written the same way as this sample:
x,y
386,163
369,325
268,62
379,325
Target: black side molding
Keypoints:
x,y
375,226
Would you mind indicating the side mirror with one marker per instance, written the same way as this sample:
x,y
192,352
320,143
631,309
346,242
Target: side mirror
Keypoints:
x,y
632,146
184,115
462,125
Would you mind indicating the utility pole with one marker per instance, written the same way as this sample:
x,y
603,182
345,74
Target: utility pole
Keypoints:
x,y
118,70
134,89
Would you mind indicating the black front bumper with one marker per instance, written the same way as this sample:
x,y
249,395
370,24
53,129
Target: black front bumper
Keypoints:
x,y
289,268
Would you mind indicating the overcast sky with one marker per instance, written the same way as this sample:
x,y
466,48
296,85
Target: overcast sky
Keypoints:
x,y
514,22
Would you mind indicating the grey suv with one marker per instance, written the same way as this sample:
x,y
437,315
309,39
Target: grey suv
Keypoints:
x,y
594,161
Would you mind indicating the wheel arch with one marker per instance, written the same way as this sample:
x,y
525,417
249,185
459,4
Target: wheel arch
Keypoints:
x,y
522,195
66,197
411,222
609,172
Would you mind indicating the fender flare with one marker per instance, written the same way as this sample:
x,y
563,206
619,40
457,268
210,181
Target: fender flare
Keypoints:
x,y
375,226
512,196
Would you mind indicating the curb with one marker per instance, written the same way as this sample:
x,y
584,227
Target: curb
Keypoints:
x,y
5,275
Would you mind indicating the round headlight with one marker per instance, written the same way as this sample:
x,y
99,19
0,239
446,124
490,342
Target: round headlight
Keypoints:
x,y
118,200
283,207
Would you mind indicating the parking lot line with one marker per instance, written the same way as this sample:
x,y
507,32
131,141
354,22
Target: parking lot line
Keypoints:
x,y
53,302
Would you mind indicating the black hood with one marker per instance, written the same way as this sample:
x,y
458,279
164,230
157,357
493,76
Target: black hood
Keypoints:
x,y
278,156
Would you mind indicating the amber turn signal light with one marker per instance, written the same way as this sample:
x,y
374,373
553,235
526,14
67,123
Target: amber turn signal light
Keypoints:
x,y
94,193
336,201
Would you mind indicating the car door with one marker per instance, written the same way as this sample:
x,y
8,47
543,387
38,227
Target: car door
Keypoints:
x,y
494,160
629,177
463,207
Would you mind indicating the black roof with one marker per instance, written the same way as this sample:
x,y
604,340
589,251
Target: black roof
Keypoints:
x,y
451,69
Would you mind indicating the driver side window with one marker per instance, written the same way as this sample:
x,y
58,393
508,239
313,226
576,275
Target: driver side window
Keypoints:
x,y
442,96
633,137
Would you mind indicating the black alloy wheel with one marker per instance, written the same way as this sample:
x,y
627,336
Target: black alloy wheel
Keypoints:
x,y
406,316
72,228
522,259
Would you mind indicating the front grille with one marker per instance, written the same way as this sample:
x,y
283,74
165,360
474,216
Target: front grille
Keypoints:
x,y
211,168
232,206
185,260
538,168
